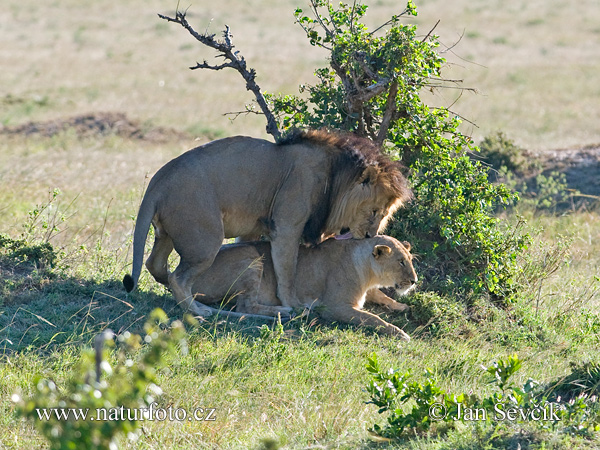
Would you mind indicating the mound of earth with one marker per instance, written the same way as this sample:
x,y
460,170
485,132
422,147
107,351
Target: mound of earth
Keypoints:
x,y
580,166
94,124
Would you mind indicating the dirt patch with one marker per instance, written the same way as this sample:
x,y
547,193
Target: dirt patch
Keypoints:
x,y
580,166
97,124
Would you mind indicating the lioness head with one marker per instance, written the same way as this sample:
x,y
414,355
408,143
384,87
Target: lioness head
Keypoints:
x,y
393,265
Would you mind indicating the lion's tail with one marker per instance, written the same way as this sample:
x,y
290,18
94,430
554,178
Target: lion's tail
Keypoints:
x,y
142,225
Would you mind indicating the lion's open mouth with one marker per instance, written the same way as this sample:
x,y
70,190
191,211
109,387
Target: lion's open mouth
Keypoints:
x,y
345,233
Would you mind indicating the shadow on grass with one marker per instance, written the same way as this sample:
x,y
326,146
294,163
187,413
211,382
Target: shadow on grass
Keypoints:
x,y
40,313
41,310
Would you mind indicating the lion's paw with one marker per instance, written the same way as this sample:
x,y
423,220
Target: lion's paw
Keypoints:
x,y
398,307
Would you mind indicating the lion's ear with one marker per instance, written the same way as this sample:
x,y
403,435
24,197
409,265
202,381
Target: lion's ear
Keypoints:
x,y
369,175
407,245
381,250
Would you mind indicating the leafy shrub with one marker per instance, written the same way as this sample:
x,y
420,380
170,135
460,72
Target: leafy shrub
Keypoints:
x,y
372,88
20,252
127,385
498,151
522,173
427,403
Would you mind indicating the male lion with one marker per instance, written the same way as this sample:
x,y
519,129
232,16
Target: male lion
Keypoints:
x,y
313,185
335,277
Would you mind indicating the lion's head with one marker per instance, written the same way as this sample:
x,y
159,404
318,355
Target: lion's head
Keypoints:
x,y
365,189
393,264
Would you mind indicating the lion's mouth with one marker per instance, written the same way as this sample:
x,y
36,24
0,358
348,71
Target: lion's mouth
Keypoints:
x,y
345,233
403,289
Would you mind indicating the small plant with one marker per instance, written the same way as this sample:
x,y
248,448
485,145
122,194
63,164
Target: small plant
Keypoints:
x,y
18,252
394,392
499,151
45,219
521,172
87,412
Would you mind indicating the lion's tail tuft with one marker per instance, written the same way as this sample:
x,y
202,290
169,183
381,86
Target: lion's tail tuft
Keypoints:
x,y
128,283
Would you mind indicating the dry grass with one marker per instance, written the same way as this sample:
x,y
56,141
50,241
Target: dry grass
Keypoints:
x,y
534,63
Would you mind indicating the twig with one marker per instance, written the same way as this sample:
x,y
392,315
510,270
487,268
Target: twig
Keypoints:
x,y
431,31
385,24
318,17
236,61
390,110
449,49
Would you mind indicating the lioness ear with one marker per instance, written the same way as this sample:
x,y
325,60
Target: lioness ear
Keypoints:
x,y
369,175
407,245
380,250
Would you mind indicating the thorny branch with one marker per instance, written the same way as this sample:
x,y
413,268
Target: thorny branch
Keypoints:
x,y
236,61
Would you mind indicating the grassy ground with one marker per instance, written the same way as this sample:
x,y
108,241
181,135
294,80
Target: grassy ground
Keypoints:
x,y
305,390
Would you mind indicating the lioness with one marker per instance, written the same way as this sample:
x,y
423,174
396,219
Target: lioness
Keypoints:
x,y
336,277
313,185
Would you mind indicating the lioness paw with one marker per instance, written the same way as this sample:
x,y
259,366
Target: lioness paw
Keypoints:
x,y
396,306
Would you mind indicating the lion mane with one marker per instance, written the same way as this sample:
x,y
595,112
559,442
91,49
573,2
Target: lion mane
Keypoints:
x,y
311,186
354,159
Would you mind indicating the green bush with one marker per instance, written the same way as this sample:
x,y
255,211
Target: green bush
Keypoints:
x,y
415,407
522,173
372,88
68,415
498,151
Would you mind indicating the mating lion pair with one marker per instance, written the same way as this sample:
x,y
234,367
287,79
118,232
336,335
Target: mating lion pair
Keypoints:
x,y
313,186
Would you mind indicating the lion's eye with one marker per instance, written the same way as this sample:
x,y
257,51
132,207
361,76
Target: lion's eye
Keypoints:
x,y
402,263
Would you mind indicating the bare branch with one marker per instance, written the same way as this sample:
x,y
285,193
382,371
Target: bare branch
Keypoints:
x,y
205,65
431,31
236,62
390,112
449,49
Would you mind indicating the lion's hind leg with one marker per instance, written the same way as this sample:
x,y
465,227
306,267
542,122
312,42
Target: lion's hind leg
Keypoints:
x,y
197,241
157,262
255,297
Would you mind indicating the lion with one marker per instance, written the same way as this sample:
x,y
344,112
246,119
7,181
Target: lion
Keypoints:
x,y
335,278
310,186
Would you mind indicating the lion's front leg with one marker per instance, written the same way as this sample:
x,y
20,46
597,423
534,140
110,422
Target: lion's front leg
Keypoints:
x,y
358,317
376,296
284,253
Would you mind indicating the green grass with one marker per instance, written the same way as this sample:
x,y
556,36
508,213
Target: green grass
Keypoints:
x,y
305,390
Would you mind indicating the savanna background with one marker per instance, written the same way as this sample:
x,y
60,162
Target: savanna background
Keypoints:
x,y
96,96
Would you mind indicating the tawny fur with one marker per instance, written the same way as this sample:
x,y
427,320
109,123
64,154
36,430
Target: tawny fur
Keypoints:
x,y
335,279
312,186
